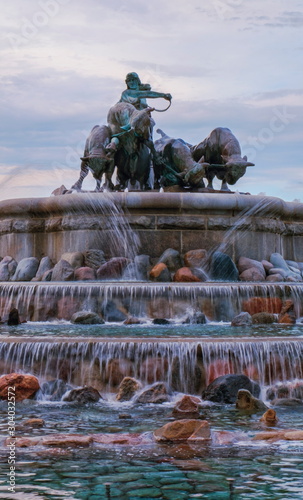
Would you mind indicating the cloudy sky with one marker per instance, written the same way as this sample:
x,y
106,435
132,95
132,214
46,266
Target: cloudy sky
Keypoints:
x,y
232,63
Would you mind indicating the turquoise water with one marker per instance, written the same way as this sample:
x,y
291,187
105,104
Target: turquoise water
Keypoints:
x,y
216,330
267,471
242,470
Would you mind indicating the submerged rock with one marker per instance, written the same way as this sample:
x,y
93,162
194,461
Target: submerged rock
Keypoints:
x,y
242,319
225,389
184,430
246,401
86,318
83,395
13,318
55,389
26,386
187,407
156,394
263,318
127,389
269,417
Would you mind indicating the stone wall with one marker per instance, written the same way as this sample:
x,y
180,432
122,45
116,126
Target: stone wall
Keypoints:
x,y
254,226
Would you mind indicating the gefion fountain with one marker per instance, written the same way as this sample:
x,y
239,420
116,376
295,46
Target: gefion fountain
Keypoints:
x,y
132,305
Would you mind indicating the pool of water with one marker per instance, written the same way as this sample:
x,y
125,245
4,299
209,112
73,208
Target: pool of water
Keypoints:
x,y
147,330
244,470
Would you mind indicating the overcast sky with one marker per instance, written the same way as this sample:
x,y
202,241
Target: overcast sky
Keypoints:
x,y
231,63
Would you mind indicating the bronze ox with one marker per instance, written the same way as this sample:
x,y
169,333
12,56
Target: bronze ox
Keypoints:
x,y
175,164
96,158
222,151
132,130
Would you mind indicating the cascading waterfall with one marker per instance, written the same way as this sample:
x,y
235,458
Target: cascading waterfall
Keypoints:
x,y
41,301
186,366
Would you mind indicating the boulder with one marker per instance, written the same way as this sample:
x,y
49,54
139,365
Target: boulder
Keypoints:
x,y
287,314
244,264
225,389
263,318
222,268
160,273
269,417
62,271
111,313
287,402
13,317
127,389
172,259
11,265
277,260
4,272
46,264
246,401
195,258
185,275
26,269
242,319
187,407
184,430
113,269
156,394
75,259
86,318
274,278
85,274
94,258
252,274
267,265
26,386
83,395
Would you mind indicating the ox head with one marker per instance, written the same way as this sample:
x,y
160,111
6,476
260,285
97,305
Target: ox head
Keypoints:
x,y
141,121
236,161
194,177
98,162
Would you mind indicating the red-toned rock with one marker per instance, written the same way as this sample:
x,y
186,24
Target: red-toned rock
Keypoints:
x,y
262,304
185,275
160,273
195,258
187,407
116,370
113,269
269,417
68,440
34,422
85,274
287,318
26,386
157,394
184,430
